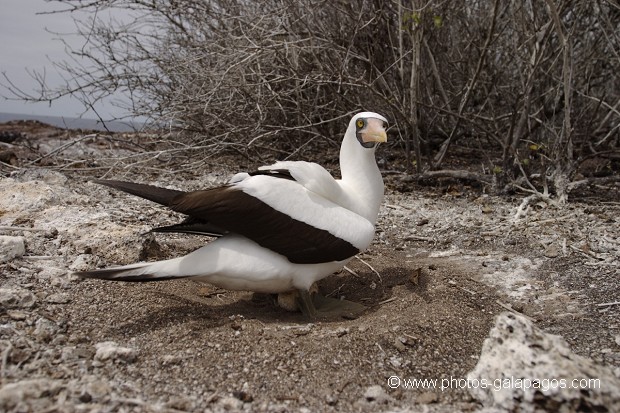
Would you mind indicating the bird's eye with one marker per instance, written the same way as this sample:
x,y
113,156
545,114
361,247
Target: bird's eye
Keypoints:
x,y
360,123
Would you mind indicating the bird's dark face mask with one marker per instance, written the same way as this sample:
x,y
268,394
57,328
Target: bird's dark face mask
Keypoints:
x,y
368,145
370,132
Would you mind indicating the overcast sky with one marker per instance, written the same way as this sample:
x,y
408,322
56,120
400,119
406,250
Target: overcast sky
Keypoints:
x,y
27,44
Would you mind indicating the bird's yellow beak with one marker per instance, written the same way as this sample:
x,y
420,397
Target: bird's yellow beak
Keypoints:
x,y
374,132
378,136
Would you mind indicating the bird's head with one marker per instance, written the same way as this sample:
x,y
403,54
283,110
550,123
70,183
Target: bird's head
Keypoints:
x,y
369,129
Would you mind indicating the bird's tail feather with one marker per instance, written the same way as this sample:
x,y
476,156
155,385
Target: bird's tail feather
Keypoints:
x,y
162,196
142,272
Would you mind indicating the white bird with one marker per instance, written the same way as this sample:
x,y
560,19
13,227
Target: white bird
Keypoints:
x,y
279,229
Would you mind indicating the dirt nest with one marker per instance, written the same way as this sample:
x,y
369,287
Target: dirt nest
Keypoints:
x,y
443,265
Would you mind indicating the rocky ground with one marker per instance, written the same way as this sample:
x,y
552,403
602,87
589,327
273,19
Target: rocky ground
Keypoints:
x,y
458,290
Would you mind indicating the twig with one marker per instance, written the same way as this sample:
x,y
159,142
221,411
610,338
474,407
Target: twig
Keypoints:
x,y
134,401
336,291
457,174
593,180
586,253
600,264
438,159
389,300
371,268
418,238
608,304
523,209
397,207
37,257
350,271
551,220
5,358
467,291
12,228
62,148
512,310
491,234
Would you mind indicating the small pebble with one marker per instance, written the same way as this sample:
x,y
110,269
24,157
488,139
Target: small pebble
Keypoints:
x,y
16,315
44,329
24,392
414,276
97,389
244,396
13,298
170,359
331,400
11,247
84,262
181,403
375,393
552,251
399,344
109,351
341,331
59,298
230,403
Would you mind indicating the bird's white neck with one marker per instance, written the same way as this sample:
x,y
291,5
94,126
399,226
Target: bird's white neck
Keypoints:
x,y
361,179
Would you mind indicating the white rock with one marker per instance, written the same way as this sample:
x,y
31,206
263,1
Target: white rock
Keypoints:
x,y
16,297
11,247
376,393
23,395
97,389
524,369
59,298
110,351
40,175
25,196
84,262
44,329
50,273
230,404
171,359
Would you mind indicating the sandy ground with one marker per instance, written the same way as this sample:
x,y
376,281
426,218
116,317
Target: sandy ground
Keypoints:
x,y
444,263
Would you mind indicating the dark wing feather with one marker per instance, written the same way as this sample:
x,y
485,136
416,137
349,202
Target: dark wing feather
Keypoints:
x,y
121,274
227,209
243,214
276,173
162,196
193,225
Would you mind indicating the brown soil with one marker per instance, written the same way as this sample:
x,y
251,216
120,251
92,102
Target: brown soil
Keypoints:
x,y
446,260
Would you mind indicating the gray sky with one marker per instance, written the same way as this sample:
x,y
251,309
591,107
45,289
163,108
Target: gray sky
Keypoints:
x,y
26,44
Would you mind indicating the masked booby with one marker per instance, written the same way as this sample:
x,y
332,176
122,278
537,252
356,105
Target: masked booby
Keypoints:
x,y
280,228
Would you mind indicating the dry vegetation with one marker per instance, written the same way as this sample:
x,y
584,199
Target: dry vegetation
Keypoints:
x,y
530,88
